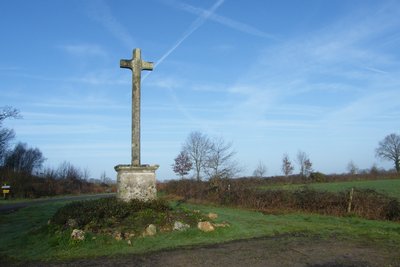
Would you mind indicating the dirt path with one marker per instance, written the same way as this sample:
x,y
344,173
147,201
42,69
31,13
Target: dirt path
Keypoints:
x,y
277,251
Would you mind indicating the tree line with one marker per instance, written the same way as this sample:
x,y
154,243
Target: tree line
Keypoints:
x,y
21,167
214,158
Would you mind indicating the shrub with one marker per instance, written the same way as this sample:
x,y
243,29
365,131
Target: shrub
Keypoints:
x,y
239,192
317,177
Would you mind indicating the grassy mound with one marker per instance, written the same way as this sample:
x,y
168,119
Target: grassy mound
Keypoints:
x,y
110,214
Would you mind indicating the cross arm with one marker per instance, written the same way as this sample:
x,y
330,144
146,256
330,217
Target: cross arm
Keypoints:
x,y
147,65
125,63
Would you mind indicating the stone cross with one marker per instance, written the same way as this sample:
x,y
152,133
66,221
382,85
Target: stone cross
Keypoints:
x,y
136,64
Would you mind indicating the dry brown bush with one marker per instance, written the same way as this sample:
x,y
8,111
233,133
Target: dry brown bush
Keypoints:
x,y
242,193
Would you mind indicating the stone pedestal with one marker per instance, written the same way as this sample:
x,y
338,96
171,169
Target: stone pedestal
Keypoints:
x,y
136,182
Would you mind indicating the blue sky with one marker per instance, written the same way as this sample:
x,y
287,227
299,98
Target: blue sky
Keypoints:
x,y
272,77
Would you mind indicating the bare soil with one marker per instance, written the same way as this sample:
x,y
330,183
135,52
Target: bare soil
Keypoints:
x,y
272,251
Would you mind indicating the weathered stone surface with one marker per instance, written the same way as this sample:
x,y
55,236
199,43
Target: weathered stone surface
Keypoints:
x,y
128,235
212,216
117,236
179,226
136,64
223,225
150,230
205,226
136,182
78,235
71,223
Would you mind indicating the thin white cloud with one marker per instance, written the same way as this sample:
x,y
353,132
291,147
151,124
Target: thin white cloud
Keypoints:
x,y
369,108
202,17
375,70
353,82
9,68
96,77
176,82
100,12
236,25
84,50
166,82
101,77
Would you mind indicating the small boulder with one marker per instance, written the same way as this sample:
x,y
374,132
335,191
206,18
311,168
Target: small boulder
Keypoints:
x,y
205,226
212,216
78,235
71,223
179,226
128,235
223,225
117,236
150,230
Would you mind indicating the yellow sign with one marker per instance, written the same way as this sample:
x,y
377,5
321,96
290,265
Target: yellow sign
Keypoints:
x,y
6,191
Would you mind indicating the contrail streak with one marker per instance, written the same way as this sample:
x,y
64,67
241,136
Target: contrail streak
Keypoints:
x,y
205,14
195,25
236,25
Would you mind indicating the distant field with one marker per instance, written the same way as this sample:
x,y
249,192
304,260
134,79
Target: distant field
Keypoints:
x,y
390,187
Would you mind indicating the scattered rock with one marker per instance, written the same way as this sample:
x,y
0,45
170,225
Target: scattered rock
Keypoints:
x,y
71,223
165,228
150,230
212,216
223,225
128,235
117,236
179,226
78,235
205,226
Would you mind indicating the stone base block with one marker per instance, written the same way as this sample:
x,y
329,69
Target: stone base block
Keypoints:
x,y
136,182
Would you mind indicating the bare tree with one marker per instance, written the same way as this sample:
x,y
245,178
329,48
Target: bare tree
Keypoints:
x,y
260,171
197,147
389,149
6,135
24,159
86,174
287,167
219,162
9,112
182,165
352,168
105,179
304,164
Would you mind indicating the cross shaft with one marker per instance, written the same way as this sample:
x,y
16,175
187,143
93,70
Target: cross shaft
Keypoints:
x,y
136,64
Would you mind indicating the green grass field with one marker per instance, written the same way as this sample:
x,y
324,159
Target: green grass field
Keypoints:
x,y
25,235
390,187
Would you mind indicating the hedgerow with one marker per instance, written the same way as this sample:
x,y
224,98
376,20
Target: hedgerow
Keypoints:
x,y
365,203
